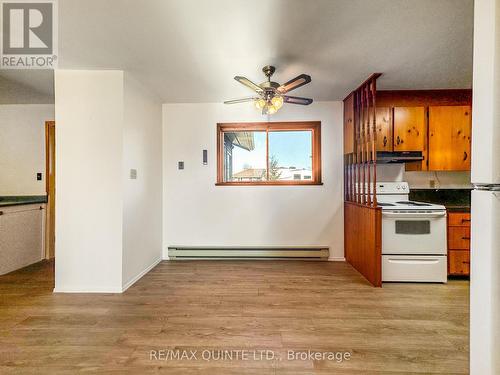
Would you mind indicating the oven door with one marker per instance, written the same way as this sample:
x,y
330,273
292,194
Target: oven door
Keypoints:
x,y
413,232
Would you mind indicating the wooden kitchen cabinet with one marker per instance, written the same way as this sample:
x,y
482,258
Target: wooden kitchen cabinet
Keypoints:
x,y
410,131
459,262
459,238
349,124
449,138
384,129
459,243
459,219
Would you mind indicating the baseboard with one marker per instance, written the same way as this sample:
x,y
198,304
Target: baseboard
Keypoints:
x,y
80,290
108,289
336,259
141,274
164,254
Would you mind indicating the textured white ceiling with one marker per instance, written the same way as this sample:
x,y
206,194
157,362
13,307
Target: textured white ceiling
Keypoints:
x,y
190,50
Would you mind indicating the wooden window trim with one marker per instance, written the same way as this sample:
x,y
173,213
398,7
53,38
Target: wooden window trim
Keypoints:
x,y
313,126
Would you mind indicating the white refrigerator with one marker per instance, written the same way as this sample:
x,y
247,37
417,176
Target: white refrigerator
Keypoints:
x,y
485,176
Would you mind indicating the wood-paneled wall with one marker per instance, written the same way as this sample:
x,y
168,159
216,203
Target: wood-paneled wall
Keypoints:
x,y
363,240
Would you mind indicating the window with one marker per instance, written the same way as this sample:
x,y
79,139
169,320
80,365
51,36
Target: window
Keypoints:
x,y
269,153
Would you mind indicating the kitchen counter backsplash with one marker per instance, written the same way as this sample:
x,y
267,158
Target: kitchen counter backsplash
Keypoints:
x,y
453,199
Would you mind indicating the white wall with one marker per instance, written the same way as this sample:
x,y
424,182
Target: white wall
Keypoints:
x,y
89,186
22,148
441,180
142,203
108,227
196,212
424,179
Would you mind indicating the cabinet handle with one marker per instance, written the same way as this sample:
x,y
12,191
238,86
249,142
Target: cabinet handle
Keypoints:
x,y
465,156
1,213
465,238
385,140
465,221
466,262
398,140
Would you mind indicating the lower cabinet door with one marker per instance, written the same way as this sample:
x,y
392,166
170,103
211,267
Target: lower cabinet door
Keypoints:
x,y
414,268
459,238
459,262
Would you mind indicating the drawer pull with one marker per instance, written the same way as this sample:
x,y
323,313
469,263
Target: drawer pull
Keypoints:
x,y
465,238
466,262
465,221
1,212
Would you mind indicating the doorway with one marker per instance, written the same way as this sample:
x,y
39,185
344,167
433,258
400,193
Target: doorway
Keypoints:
x,y
50,173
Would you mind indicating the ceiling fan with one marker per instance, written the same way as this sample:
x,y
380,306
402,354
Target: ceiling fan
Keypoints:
x,y
271,95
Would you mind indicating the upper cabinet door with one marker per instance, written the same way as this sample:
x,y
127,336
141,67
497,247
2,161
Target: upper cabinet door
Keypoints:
x,y
449,138
410,131
384,129
349,124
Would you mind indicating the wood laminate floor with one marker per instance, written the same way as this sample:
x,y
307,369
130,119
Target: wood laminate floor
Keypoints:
x,y
240,307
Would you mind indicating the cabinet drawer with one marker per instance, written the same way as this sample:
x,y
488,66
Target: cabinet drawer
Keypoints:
x,y
458,262
460,219
459,238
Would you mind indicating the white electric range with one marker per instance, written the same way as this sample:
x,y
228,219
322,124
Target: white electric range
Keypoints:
x,y
413,236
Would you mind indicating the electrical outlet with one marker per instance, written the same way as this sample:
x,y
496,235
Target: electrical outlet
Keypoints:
x,y
133,174
39,176
181,165
432,183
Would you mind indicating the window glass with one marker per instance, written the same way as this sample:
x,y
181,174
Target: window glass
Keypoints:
x,y
290,155
245,156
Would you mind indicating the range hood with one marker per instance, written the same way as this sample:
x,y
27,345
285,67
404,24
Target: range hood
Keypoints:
x,y
388,157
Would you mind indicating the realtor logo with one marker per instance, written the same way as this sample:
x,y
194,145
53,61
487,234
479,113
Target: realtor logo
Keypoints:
x,y
29,34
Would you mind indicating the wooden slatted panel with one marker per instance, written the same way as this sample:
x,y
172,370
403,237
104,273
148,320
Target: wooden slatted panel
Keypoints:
x,y
360,124
362,217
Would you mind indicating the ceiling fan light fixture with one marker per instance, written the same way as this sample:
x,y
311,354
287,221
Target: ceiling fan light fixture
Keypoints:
x,y
270,109
277,101
271,95
260,103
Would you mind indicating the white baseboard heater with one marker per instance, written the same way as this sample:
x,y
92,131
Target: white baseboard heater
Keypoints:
x,y
299,252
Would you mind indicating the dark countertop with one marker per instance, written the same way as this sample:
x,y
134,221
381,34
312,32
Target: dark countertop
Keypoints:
x,y
455,200
458,208
18,200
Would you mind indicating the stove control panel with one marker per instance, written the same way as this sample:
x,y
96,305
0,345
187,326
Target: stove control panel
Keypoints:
x,y
392,188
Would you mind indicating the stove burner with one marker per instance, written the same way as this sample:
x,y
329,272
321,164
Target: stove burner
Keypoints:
x,y
411,203
385,204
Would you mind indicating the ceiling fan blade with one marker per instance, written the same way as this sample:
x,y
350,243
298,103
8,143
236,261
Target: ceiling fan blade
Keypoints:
x,y
249,84
295,83
242,100
297,100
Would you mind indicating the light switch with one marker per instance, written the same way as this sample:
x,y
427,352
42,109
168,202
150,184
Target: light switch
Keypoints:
x,y
205,157
39,176
133,174
181,165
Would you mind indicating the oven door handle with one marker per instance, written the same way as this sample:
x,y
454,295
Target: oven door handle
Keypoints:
x,y
414,214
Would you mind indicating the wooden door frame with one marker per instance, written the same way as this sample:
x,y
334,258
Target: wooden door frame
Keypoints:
x,y
49,229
